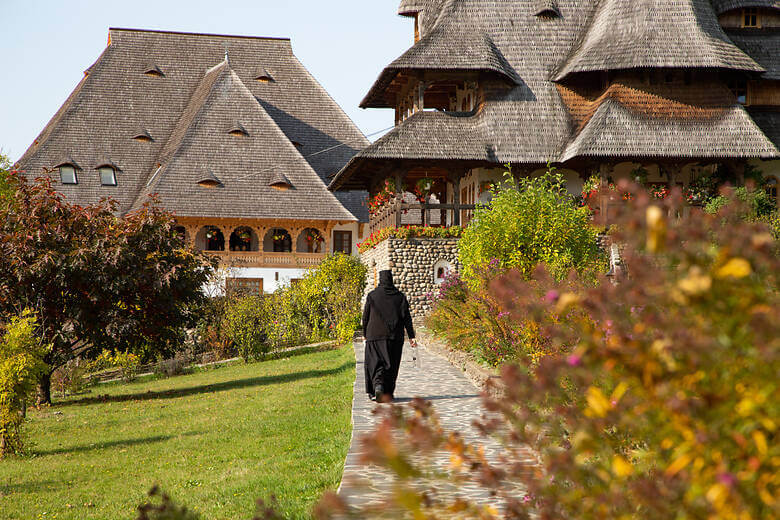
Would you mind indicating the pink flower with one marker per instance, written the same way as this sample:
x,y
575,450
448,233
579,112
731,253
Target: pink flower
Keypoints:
x,y
551,296
574,360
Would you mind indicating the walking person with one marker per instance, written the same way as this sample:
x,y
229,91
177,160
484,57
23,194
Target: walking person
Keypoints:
x,y
385,317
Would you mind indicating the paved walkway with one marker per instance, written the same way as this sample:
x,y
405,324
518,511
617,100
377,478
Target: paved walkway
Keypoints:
x,y
455,399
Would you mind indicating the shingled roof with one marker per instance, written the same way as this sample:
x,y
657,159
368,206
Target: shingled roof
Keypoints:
x,y
117,101
528,120
655,33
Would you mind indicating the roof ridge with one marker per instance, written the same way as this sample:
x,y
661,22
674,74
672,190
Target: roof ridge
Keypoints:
x,y
160,31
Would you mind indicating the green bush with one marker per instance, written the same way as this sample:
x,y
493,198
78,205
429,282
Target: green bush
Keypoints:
x,y
537,222
323,304
756,203
21,363
245,325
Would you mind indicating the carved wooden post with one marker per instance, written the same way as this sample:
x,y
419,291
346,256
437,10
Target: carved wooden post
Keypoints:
x,y
604,171
399,196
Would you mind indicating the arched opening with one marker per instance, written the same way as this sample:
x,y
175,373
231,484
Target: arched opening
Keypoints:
x,y
243,239
310,241
440,271
277,240
210,238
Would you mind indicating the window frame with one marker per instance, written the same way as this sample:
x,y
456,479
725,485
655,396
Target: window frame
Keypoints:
x,y
101,170
751,18
338,240
75,174
736,86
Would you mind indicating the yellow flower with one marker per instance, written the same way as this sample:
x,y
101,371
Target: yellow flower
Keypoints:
x,y
598,404
696,282
621,467
734,268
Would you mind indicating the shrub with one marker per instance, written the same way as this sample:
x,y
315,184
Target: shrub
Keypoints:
x,y
210,329
535,223
71,378
127,362
754,203
245,324
21,362
662,404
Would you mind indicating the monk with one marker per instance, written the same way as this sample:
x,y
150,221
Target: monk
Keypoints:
x,y
385,317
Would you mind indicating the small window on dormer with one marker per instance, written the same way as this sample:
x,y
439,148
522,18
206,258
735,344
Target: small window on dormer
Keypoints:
x,y
751,17
263,76
68,174
142,135
238,130
740,90
153,70
107,175
547,9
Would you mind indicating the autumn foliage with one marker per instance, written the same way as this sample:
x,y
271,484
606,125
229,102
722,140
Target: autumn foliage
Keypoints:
x,y
660,402
94,280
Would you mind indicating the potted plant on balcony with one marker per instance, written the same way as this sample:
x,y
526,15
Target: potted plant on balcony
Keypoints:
x,y
377,202
422,188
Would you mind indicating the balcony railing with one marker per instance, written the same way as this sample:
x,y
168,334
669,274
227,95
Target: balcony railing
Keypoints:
x,y
399,214
268,259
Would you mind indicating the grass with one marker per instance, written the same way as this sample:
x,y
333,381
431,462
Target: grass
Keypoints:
x,y
215,440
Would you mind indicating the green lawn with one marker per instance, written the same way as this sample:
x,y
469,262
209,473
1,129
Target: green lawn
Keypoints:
x,y
215,440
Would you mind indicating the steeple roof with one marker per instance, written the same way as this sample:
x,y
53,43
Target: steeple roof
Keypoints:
x,y
655,33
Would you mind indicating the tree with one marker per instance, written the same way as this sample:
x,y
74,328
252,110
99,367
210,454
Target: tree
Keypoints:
x,y
6,179
21,362
95,281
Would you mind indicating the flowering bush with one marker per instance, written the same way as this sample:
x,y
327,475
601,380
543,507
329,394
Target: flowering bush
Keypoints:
x,y
406,233
21,362
658,191
385,195
535,223
662,404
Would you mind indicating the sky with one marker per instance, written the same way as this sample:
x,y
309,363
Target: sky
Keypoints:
x,y
46,45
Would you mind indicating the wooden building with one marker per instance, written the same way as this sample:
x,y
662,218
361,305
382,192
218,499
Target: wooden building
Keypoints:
x,y
674,87
231,133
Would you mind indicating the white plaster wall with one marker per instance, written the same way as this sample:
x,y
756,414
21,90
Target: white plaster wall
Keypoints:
x,y
356,235
270,284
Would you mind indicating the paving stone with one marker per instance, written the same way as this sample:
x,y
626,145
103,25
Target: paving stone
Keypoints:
x,y
458,404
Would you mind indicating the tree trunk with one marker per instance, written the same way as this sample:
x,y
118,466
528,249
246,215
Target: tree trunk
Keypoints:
x,y
44,389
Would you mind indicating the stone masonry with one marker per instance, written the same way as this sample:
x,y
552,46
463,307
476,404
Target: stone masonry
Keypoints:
x,y
414,263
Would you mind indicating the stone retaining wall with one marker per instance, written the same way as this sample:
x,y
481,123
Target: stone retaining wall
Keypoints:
x,y
413,262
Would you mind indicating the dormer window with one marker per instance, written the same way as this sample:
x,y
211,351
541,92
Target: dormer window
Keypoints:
x,y
153,70
238,130
68,174
209,180
751,17
547,9
263,76
279,182
740,90
142,135
107,175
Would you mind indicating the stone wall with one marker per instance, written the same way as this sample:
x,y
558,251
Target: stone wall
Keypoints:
x,y
413,264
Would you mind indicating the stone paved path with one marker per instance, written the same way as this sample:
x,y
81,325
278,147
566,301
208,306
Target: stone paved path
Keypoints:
x,y
455,399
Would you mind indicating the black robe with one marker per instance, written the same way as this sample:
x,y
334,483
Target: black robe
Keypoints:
x,y
385,316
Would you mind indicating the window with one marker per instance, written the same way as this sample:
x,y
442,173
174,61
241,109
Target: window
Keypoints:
x,y
771,189
244,286
739,89
342,242
750,17
68,174
107,176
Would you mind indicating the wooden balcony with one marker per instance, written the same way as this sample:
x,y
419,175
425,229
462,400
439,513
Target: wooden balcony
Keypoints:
x,y
268,259
399,214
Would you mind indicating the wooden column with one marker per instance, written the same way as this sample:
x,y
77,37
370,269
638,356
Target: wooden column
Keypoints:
x,y
399,198
604,171
456,175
